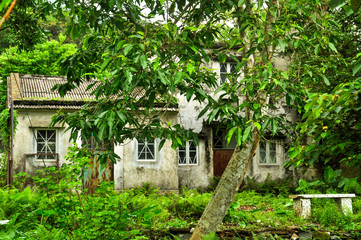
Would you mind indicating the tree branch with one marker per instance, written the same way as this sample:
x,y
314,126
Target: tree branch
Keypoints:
x,y
7,14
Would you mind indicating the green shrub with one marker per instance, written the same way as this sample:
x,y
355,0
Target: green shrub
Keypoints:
x,y
329,215
356,205
190,203
277,187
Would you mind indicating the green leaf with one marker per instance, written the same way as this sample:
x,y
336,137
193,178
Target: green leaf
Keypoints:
x,y
332,46
246,133
190,68
230,134
239,136
325,79
293,152
111,118
338,109
258,126
302,183
265,124
317,49
178,77
128,75
189,94
356,68
179,141
282,45
241,2
324,134
213,115
161,144
121,116
342,182
162,77
127,49
102,131
342,145
4,4
143,61
105,63
204,110
274,126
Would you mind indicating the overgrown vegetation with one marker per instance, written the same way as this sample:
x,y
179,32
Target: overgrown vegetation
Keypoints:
x,y
58,208
44,59
60,211
332,182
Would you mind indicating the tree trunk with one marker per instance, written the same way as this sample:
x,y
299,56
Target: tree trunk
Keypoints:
x,y
227,188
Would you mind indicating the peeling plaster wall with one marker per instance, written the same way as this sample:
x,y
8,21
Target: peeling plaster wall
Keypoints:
x,y
24,139
119,168
196,176
273,171
162,173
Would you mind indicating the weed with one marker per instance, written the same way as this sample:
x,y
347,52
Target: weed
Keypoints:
x,y
329,215
277,187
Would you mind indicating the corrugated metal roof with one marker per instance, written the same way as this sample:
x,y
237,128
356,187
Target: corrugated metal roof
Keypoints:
x,y
39,87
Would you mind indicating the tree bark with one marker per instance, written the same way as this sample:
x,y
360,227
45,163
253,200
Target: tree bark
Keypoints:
x,y
227,188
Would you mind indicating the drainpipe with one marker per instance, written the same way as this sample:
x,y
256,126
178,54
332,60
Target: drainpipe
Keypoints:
x,y
11,152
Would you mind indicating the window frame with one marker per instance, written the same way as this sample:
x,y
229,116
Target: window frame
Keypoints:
x,y
156,152
278,153
187,151
228,71
55,153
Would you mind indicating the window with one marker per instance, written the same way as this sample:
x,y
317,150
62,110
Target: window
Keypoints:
x,y
220,139
46,143
188,155
146,150
225,69
268,152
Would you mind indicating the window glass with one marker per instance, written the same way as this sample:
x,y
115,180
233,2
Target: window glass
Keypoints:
x,y
188,154
46,143
146,150
182,155
272,152
267,152
262,152
192,153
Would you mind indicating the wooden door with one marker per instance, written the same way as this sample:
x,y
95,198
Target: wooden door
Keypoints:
x,y
221,158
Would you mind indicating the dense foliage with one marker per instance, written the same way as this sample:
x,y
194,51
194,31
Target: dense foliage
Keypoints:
x,y
330,126
61,212
44,59
24,28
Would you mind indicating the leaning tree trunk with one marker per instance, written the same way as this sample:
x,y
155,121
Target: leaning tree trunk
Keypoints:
x,y
226,189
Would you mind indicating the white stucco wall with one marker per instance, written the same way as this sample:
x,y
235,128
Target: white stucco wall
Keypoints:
x,y
24,139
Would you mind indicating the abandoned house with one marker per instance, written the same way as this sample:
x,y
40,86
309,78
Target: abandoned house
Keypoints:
x,y
35,145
